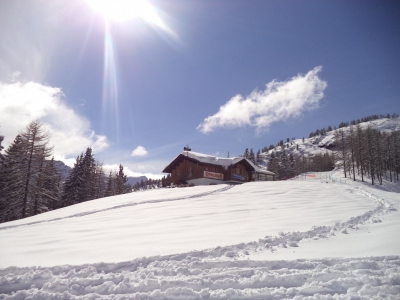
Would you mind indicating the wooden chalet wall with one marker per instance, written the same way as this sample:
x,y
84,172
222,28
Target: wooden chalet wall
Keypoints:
x,y
240,169
188,169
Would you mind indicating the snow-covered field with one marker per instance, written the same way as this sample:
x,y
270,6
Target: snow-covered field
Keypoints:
x,y
266,240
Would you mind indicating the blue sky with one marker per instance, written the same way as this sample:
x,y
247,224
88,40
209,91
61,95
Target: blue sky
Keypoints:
x,y
217,75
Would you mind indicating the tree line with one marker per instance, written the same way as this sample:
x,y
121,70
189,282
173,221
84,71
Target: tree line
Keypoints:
x,y
30,182
286,165
323,131
368,152
149,184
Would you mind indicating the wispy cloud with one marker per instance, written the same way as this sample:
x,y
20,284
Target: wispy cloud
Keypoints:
x,y
139,151
279,101
22,103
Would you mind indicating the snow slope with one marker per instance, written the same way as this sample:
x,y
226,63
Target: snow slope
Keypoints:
x,y
261,240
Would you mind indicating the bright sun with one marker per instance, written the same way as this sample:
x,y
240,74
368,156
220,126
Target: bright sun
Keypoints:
x,y
121,10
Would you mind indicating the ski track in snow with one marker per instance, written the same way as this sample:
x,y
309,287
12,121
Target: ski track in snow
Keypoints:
x,y
123,205
221,272
194,278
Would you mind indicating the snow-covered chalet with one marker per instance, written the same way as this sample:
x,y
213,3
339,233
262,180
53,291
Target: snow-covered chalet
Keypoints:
x,y
202,169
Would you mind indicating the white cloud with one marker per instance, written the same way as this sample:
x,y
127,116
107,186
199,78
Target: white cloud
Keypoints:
x,y
139,151
279,101
22,103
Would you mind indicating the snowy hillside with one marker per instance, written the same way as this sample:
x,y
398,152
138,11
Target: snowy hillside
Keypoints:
x,y
321,144
260,240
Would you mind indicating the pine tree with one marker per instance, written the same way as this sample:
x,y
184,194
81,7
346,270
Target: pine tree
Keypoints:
x,y
121,187
2,158
273,164
251,156
73,184
246,153
36,146
110,191
23,172
82,183
46,196
98,182
285,166
51,185
12,174
88,170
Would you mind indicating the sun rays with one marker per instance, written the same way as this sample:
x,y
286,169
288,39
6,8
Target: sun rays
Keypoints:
x,y
110,81
119,15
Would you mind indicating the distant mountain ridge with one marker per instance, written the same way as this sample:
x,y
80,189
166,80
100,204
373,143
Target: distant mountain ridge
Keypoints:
x,y
63,169
133,180
64,172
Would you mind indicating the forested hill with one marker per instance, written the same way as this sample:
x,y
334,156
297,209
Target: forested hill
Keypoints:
x,y
371,148
319,143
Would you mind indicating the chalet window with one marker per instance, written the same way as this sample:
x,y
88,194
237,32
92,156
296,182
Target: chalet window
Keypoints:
x,y
262,177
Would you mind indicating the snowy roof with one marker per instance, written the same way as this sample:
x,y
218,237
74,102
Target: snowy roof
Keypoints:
x,y
220,161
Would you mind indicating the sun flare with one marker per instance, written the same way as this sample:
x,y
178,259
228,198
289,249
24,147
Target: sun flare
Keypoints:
x,y
122,10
